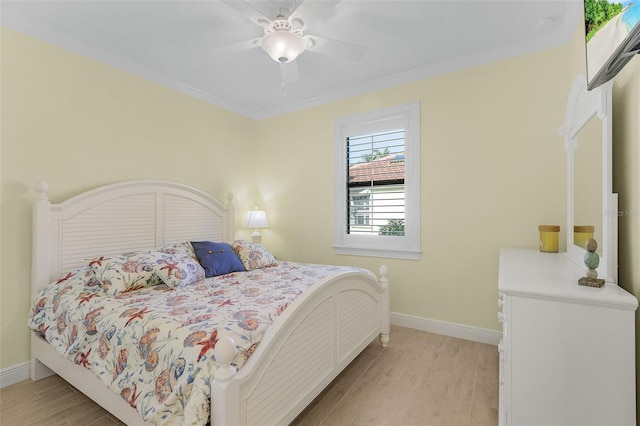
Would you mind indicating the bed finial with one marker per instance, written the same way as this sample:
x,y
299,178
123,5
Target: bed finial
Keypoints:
x,y
224,352
42,188
383,273
230,199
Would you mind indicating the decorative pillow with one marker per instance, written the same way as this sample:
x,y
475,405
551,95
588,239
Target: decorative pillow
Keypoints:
x,y
216,258
253,255
126,271
180,272
178,250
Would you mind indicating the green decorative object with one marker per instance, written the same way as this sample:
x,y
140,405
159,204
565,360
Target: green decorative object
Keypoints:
x,y
591,260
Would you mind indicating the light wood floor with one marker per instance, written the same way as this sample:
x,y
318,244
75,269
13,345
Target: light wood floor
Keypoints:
x,y
420,379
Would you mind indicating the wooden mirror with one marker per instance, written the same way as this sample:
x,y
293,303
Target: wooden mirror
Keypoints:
x,y
591,204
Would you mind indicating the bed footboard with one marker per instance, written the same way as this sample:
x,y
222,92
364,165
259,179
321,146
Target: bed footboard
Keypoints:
x,y
300,355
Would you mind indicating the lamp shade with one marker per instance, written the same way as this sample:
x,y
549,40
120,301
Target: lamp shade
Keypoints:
x,y
283,46
257,219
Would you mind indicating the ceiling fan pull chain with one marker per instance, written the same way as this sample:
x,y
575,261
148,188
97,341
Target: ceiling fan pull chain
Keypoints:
x,y
283,80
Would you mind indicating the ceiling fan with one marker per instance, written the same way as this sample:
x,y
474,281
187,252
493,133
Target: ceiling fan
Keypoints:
x,y
284,36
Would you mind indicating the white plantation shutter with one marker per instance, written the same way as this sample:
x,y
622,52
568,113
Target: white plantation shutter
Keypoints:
x,y
375,184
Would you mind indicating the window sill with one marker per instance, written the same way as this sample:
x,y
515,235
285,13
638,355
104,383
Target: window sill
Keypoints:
x,y
391,253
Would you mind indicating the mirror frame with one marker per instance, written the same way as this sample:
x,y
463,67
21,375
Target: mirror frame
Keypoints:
x,y
582,105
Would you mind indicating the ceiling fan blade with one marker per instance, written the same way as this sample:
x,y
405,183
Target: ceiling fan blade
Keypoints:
x,y
336,48
249,11
310,11
290,72
236,47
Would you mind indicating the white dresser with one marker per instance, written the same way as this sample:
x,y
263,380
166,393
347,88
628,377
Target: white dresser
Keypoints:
x,y
567,356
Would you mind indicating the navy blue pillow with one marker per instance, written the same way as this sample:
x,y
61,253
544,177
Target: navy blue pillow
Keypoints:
x,y
217,258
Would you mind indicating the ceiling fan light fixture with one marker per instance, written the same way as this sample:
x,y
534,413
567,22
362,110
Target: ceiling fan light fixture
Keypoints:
x,y
283,46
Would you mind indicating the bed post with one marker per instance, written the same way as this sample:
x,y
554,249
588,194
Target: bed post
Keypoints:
x,y
231,219
41,239
225,388
41,260
385,307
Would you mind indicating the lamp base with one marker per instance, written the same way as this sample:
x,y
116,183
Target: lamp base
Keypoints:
x,y
256,237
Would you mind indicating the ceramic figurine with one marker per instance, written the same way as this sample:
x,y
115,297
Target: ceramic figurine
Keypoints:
x,y
591,260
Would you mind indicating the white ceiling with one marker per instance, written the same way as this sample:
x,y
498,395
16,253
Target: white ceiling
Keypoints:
x,y
177,43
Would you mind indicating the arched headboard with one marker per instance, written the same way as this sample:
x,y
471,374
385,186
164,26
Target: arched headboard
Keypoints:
x,y
121,217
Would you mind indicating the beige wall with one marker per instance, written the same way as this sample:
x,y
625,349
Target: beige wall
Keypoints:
x,y
80,124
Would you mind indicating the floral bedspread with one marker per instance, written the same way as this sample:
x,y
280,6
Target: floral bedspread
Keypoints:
x,y
154,346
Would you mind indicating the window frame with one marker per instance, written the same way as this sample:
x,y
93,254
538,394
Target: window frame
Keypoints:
x,y
398,247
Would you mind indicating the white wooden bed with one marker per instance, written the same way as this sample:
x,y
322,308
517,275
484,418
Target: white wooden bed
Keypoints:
x,y
286,372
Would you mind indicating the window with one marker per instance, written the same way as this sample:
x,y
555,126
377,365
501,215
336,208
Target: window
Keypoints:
x,y
377,183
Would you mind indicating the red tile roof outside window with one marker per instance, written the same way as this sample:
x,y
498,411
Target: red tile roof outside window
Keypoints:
x,y
388,168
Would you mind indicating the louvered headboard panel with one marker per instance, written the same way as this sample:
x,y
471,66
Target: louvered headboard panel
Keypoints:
x,y
117,218
107,228
198,221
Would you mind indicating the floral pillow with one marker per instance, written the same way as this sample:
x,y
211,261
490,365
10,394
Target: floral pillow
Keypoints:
x,y
253,255
178,250
180,272
126,272
133,270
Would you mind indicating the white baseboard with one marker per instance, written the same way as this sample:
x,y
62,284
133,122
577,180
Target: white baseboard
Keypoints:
x,y
467,332
14,374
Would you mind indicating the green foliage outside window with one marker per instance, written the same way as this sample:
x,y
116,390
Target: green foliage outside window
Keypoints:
x,y
393,227
376,154
597,13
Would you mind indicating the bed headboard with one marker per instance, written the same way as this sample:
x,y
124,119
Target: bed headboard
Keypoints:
x,y
121,217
